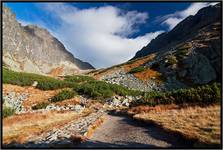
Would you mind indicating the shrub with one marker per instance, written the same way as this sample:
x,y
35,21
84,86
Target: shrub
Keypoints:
x,y
8,111
181,52
95,89
81,84
78,78
171,60
27,79
42,105
64,94
137,69
206,94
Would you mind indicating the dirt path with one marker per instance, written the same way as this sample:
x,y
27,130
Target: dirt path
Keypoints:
x,y
121,131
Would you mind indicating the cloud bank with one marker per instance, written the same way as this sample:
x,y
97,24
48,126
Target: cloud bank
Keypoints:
x,y
100,35
171,20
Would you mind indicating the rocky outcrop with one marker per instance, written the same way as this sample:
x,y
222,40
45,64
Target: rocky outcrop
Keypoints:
x,y
33,49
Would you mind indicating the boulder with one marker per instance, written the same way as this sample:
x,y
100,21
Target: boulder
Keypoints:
x,y
78,108
35,83
125,102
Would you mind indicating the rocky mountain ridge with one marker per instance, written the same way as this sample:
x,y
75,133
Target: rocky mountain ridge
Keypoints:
x,y
33,49
184,31
193,61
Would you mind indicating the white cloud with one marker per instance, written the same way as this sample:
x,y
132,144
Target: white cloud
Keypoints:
x,y
100,35
171,20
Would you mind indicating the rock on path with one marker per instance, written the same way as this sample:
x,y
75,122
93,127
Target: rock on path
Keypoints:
x,y
121,131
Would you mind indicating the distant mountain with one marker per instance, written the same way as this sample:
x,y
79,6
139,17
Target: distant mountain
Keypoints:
x,y
33,49
184,31
187,56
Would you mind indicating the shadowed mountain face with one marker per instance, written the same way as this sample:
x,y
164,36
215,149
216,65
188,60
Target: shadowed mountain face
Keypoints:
x,y
184,31
33,49
187,56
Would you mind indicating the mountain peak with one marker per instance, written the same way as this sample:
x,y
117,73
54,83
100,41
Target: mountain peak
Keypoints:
x,y
33,49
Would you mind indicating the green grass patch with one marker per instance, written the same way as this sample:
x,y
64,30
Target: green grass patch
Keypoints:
x,y
64,94
27,79
78,78
8,111
42,105
137,69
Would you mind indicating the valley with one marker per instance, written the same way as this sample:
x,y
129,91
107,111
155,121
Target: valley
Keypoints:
x,y
169,95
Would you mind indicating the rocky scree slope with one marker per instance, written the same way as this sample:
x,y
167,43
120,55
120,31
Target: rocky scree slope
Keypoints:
x,y
33,49
196,60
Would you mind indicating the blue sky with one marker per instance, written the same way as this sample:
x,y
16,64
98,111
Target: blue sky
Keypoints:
x,y
104,34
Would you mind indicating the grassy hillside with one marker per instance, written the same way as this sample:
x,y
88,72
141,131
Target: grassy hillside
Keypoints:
x,y
100,90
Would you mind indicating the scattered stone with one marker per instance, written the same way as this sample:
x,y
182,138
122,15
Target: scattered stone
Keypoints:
x,y
13,100
35,83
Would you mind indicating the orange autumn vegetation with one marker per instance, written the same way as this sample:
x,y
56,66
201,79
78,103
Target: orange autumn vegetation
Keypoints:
x,y
147,74
146,109
72,101
56,71
20,128
137,63
201,124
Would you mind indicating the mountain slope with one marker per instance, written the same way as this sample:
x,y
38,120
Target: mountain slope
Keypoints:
x,y
184,31
194,60
33,49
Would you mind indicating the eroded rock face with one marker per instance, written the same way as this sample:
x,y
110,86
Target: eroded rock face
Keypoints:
x,y
33,49
198,69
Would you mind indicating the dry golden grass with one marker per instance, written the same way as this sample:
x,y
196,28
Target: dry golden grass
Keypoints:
x,y
138,62
72,101
57,71
93,126
198,123
147,74
35,95
146,109
20,128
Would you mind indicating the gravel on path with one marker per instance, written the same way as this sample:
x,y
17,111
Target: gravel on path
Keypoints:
x,y
121,131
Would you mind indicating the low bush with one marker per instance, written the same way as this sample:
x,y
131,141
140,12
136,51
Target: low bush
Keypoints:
x,y
27,79
64,94
181,53
171,60
42,105
137,69
95,89
100,89
78,78
206,94
8,111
